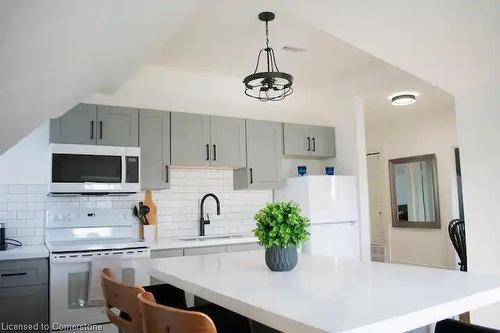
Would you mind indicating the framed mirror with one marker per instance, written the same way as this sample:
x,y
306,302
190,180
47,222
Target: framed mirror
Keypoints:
x,y
414,192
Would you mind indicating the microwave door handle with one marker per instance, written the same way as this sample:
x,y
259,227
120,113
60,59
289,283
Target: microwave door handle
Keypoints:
x,y
124,169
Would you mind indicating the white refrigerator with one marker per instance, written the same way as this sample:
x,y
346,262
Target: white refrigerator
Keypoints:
x,y
331,203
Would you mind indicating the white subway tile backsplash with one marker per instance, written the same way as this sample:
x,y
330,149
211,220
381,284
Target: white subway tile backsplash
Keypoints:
x,y
104,204
24,232
25,215
42,189
17,188
22,207
16,206
35,206
4,197
16,224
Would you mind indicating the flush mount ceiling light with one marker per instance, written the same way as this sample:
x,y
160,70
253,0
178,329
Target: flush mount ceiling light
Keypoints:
x,y
403,98
269,84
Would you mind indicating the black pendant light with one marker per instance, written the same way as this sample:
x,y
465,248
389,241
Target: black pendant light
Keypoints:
x,y
270,84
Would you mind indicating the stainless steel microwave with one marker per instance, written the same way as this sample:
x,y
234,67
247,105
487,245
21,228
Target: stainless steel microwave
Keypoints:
x,y
92,169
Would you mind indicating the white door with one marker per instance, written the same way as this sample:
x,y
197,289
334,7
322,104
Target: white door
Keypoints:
x,y
378,230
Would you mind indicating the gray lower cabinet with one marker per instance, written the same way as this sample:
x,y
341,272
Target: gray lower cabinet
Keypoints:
x,y
166,253
190,135
155,254
195,251
244,247
154,140
192,251
308,141
77,126
24,292
117,126
264,153
169,253
89,124
227,140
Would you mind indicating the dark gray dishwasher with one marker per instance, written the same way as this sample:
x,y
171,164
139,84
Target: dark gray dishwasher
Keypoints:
x,y
24,293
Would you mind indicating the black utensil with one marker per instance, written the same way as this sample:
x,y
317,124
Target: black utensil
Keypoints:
x,y
144,210
136,214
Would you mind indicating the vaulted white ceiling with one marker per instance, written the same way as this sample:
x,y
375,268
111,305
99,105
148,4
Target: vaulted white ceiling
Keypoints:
x,y
201,69
53,53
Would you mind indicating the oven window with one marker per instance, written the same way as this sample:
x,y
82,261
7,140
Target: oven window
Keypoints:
x,y
78,287
70,168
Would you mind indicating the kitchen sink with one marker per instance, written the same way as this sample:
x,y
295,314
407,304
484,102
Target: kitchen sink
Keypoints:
x,y
202,238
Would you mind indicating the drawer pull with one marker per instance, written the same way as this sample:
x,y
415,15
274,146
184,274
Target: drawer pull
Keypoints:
x,y
14,274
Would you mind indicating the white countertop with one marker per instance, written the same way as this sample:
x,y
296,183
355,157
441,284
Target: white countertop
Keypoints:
x,y
24,252
329,295
170,244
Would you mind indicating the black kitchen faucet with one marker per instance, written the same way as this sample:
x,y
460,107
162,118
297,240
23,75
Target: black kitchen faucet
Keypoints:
x,y
204,221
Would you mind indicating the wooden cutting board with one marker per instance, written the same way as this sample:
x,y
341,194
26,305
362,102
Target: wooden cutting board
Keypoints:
x,y
152,215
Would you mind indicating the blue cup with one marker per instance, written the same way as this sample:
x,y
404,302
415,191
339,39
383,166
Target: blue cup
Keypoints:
x,y
302,170
330,171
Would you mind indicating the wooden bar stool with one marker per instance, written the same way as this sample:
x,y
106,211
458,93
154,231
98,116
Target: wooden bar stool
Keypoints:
x,y
163,319
120,302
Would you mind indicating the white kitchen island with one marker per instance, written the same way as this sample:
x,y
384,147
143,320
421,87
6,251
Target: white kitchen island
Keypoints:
x,y
329,295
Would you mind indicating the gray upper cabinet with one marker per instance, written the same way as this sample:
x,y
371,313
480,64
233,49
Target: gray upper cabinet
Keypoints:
x,y
264,153
190,139
297,140
227,140
308,141
117,126
77,126
154,140
202,140
88,124
323,141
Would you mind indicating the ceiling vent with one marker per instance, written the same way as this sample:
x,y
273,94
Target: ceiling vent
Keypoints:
x,y
294,49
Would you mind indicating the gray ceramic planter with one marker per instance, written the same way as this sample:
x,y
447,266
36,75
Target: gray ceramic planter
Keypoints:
x,y
281,259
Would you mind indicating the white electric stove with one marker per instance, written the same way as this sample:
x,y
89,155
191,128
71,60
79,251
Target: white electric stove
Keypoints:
x,y
78,238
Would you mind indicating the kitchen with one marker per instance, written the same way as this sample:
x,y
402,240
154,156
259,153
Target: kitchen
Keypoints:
x,y
82,171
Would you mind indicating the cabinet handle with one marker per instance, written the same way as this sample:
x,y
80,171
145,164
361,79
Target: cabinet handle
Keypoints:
x,y
91,130
166,173
251,176
215,152
314,144
208,152
100,130
14,274
308,143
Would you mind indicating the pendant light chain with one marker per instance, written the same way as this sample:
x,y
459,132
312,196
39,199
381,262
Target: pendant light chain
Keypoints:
x,y
268,84
267,34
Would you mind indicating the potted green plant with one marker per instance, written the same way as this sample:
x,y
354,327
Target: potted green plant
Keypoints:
x,y
280,229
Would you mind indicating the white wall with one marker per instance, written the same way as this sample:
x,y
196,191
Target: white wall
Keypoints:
x,y
410,133
477,120
28,161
